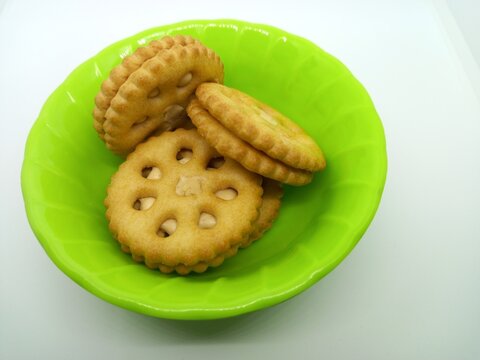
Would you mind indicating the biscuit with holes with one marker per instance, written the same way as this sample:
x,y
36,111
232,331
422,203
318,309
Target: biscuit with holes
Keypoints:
x,y
154,97
261,126
271,200
232,146
121,72
177,205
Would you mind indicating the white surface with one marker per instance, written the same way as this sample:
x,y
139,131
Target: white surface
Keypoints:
x,y
409,290
467,13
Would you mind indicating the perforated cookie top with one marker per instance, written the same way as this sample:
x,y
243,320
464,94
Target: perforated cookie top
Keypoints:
x,y
261,126
176,201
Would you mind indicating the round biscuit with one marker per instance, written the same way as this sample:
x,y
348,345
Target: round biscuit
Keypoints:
x,y
227,144
153,99
261,126
157,199
121,72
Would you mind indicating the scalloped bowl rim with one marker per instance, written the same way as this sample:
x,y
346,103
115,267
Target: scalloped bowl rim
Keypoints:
x,y
187,314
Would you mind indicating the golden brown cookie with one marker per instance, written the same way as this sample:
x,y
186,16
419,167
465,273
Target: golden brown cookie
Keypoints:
x,y
271,200
227,144
261,126
176,204
154,97
121,72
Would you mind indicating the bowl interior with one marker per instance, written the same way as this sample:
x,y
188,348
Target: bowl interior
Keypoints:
x,y
67,170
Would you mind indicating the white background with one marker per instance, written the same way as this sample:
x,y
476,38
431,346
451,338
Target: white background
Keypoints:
x,y
409,290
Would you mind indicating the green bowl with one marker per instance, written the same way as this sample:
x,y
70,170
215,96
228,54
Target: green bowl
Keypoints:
x,y
67,169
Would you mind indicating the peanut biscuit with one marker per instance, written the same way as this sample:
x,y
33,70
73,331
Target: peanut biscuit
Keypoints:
x,y
154,97
121,72
261,126
177,205
227,144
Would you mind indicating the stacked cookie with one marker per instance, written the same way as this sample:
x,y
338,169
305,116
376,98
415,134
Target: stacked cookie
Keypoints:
x,y
189,195
148,92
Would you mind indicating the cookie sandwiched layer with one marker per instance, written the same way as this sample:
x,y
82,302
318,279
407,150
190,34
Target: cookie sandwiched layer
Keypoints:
x,y
268,212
